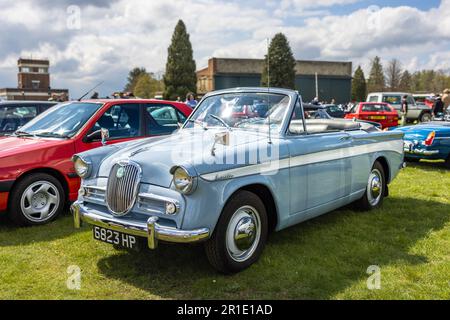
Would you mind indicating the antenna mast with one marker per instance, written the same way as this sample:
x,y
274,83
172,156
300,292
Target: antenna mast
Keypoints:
x,y
268,90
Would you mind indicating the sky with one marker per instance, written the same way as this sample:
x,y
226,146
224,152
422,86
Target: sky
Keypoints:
x,y
89,41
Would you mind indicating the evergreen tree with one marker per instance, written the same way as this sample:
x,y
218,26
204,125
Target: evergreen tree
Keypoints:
x,y
359,87
180,77
376,78
406,83
282,64
133,77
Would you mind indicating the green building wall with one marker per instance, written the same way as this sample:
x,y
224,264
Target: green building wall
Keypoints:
x,y
337,87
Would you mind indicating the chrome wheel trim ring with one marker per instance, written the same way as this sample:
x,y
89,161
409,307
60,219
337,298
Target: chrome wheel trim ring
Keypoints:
x,y
375,187
243,233
40,201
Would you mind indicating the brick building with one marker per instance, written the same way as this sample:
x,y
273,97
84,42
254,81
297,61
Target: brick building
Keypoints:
x,y
33,82
334,78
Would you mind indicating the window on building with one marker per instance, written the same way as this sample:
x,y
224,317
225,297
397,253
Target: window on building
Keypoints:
x,y
43,70
35,84
24,69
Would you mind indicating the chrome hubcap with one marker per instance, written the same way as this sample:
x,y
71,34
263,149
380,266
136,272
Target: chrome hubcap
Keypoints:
x,y
40,201
375,187
243,233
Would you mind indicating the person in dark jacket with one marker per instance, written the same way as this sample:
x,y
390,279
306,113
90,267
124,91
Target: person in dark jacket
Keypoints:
x,y
438,106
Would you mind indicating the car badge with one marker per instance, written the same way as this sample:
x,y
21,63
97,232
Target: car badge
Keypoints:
x,y
120,173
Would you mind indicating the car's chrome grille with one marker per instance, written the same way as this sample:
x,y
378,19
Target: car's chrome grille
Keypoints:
x,y
123,187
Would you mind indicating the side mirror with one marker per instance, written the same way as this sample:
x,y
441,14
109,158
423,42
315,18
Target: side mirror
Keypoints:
x,y
102,135
105,135
222,138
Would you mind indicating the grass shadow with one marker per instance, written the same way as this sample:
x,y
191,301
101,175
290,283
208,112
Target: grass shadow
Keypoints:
x,y
12,235
429,165
313,260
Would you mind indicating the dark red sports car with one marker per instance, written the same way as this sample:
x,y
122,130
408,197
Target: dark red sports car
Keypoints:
x,y
37,177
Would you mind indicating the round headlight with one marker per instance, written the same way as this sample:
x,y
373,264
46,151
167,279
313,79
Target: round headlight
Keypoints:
x,y
183,181
81,167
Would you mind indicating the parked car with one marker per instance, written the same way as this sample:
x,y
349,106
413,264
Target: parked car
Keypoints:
x,y
382,113
419,112
334,110
15,114
425,99
429,141
37,177
230,184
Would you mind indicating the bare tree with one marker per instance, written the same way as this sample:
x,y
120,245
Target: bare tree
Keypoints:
x,y
393,74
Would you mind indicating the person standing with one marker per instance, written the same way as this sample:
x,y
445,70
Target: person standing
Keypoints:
x,y
404,109
190,100
446,100
438,106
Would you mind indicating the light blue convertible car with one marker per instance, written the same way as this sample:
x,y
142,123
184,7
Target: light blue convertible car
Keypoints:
x,y
229,180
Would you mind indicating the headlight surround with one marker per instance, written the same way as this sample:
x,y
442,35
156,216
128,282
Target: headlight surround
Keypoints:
x,y
183,181
82,167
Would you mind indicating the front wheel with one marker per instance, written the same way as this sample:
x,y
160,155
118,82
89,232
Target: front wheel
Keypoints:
x,y
375,189
36,200
240,234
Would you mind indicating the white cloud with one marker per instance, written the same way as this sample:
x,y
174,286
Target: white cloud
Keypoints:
x,y
114,38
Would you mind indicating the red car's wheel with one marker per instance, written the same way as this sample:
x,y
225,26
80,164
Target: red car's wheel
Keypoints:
x,y
36,200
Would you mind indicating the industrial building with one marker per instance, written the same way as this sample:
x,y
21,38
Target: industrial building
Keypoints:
x,y
334,79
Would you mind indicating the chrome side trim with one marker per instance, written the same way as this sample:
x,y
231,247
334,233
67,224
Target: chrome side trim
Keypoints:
x,y
316,157
151,229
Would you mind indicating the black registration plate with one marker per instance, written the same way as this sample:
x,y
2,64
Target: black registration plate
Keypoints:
x,y
114,237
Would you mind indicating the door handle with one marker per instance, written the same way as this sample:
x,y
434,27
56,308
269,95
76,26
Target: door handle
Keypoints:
x,y
346,138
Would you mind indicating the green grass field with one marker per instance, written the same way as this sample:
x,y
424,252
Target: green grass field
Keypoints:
x,y
326,258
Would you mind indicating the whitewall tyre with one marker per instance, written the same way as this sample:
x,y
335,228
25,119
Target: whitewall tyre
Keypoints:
x,y
375,190
240,234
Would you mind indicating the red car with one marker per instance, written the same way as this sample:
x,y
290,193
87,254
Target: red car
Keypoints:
x,y
37,177
379,112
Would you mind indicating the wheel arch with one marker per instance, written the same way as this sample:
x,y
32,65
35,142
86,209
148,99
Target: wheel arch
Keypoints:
x,y
53,172
385,164
266,196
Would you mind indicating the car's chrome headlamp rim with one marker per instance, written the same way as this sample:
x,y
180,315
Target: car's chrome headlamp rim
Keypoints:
x,y
183,181
82,167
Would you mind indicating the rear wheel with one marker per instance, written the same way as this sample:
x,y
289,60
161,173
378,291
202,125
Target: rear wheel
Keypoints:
x,y
426,117
375,190
36,200
240,234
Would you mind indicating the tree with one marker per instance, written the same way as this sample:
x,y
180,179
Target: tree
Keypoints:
x,y
406,83
359,86
180,77
282,64
393,74
147,86
133,77
376,78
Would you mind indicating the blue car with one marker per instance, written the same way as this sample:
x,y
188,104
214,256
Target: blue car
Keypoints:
x,y
229,182
430,141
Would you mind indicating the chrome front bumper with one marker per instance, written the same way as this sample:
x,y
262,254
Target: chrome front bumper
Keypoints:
x,y
422,152
151,230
